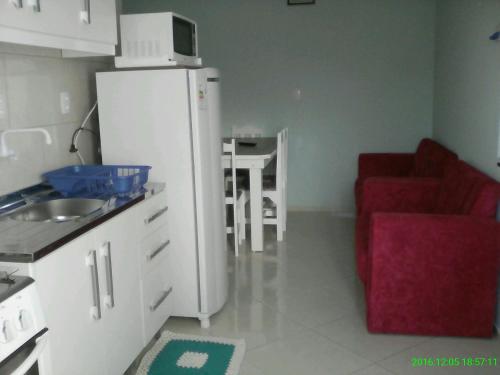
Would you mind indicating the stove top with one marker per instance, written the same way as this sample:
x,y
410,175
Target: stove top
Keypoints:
x,y
10,285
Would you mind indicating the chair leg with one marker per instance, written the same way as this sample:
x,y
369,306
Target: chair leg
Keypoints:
x,y
243,233
283,212
243,229
236,245
279,221
279,231
235,228
241,222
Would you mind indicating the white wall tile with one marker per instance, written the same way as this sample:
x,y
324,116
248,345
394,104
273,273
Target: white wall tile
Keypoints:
x,y
59,156
28,163
31,80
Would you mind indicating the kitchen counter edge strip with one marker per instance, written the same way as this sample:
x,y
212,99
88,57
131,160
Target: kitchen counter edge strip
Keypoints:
x,y
30,258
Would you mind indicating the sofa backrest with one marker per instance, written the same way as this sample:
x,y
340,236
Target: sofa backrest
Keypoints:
x,y
431,159
467,191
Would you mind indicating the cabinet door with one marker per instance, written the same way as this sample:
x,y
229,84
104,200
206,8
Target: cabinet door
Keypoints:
x,y
58,24
65,283
118,244
53,17
157,293
102,26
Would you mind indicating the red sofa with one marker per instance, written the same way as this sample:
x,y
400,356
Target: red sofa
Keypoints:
x,y
429,160
427,251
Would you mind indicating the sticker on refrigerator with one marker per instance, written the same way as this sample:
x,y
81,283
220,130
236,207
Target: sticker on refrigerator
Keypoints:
x,y
202,95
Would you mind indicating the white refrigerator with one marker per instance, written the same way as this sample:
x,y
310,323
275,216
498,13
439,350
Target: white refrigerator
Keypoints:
x,y
170,119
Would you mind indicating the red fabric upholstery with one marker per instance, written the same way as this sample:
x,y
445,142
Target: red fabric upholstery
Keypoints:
x,y
430,160
461,187
432,274
381,165
388,165
428,252
391,195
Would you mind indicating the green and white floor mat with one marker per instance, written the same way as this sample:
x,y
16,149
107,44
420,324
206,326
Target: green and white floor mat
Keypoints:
x,y
177,354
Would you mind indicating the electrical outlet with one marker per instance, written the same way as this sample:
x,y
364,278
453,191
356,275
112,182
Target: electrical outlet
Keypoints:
x,y
65,102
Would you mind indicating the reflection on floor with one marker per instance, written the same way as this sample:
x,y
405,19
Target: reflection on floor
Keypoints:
x,y
300,308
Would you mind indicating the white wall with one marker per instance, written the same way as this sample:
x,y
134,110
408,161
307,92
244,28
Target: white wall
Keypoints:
x,y
30,82
364,69
467,96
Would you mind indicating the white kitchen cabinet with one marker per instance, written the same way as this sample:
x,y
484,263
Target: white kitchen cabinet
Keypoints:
x,y
157,298
157,282
82,340
106,293
118,241
64,283
58,24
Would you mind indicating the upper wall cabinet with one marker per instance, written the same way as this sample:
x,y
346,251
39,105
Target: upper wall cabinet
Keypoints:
x,y
78,27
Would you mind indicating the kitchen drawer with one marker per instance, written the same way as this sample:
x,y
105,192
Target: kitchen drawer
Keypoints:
x,y
154,249
154,213
157,299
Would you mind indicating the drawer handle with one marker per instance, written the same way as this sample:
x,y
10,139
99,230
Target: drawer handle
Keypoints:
x,y
163,297
156,215
154,253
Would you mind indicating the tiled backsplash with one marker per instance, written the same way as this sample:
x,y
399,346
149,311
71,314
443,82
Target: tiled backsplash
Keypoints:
x,y
31,82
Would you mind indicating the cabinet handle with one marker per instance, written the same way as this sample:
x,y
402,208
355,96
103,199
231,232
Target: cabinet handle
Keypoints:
x,y
95,310
110,292
154,253
156,215
85,13
35,4
160,300
17,3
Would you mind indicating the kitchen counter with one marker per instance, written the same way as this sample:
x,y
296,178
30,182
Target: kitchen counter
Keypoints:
x,y
25,242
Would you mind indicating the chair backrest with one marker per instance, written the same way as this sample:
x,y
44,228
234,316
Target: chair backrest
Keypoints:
x,y
282,162
285,160
247,131
231,148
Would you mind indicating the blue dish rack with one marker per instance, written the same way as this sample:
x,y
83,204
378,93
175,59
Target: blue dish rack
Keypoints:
x,y
121,180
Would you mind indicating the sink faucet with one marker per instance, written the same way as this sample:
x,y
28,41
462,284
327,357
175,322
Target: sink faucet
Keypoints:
x,y
5,152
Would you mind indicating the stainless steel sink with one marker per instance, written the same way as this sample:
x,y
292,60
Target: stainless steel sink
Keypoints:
x,y
58,210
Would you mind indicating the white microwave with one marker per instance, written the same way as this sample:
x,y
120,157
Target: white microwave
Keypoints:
x,y
158,39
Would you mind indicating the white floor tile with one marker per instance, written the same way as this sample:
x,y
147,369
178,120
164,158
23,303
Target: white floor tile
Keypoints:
x,y
351,333
300,308
373,370
446,348
248,369
311,354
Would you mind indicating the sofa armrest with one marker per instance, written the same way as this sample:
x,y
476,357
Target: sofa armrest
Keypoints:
x,y
398,195
432,274
388,165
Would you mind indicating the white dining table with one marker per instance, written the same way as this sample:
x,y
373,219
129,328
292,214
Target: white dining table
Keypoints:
x,y
254,158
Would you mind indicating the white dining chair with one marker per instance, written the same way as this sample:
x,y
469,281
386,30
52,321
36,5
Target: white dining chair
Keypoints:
x,y
275,188
247,131
237,198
